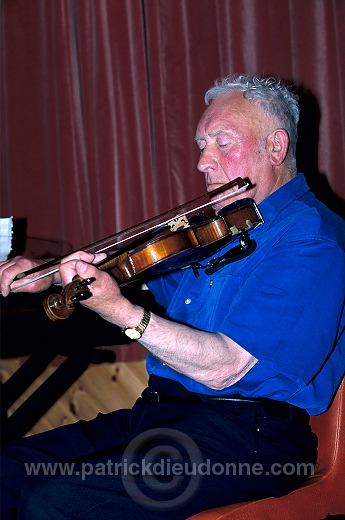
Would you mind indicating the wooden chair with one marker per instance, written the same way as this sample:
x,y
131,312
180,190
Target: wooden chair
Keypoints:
x,y
321,495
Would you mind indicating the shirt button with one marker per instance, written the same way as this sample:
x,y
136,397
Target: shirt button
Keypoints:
x,y
188,301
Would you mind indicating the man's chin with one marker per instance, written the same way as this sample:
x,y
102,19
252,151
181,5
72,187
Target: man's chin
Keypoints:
x,y
217,206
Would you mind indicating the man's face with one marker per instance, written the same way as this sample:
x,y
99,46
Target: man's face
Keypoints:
x,y
232,136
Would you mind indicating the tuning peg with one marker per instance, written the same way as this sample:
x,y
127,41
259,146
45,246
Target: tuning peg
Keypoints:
x,y
81,296
84,282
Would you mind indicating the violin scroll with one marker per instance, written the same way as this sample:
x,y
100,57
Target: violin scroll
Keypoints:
x,y
60,306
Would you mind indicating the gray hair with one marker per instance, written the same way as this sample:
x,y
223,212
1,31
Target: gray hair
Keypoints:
x,y
270,94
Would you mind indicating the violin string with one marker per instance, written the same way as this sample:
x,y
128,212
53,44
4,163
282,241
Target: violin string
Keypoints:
x,y
176,216
56,261
146,230
239,181
239,190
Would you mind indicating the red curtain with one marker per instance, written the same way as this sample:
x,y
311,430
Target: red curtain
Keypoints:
x,y
100,100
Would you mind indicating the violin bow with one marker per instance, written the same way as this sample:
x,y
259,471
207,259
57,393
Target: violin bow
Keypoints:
x,y
242,186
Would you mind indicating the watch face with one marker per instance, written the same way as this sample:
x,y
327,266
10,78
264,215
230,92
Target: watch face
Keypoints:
x,y
132,333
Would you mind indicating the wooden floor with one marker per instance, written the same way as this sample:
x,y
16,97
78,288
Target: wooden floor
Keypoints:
x,y
102,388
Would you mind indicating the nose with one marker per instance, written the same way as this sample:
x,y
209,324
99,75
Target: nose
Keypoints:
x,y
207,161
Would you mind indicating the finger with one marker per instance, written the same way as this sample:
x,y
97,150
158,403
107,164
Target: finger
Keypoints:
x,y
102,284
99,257
8,271
5,284
68,265
79,255
104,289
77,267
68,270
90,258
86,270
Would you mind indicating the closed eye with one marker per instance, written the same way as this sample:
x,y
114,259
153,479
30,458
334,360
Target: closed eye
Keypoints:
x,y
201,144
224,145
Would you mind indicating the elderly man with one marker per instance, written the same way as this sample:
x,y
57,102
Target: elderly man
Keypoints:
x,y
237,360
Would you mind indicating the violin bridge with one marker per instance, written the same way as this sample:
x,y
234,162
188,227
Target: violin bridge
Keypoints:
x,y
234,230
177,223
249,225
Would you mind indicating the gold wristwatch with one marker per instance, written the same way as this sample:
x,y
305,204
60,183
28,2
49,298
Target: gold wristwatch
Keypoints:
x,y
137,331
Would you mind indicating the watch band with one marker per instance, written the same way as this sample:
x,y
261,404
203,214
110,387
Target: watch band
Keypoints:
x,y
138,330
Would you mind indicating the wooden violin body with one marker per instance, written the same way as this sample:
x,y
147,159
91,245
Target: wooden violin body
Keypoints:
x,y
172,250
165,251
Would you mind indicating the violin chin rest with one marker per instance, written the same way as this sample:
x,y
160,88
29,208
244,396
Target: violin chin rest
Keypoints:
x,y
246,247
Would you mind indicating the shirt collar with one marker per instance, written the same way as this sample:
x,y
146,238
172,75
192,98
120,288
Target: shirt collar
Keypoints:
x,y
284,196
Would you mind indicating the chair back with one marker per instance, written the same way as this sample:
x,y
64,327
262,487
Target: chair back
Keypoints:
x,y
321,495
330,430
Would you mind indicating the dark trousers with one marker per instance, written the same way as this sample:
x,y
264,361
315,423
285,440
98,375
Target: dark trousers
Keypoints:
x,y
175,458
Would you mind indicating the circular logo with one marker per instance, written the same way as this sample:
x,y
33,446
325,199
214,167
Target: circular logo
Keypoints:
x,y
160,469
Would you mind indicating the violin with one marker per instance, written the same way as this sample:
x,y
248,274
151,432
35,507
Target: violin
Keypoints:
x,y
177,243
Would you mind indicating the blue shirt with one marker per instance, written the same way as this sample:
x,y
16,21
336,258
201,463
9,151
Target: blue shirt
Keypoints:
x,y
284,303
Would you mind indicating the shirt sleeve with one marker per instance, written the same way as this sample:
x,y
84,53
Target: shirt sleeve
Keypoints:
x,y
288,311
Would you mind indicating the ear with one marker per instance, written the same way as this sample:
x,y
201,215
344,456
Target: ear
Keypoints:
x,y
278,146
